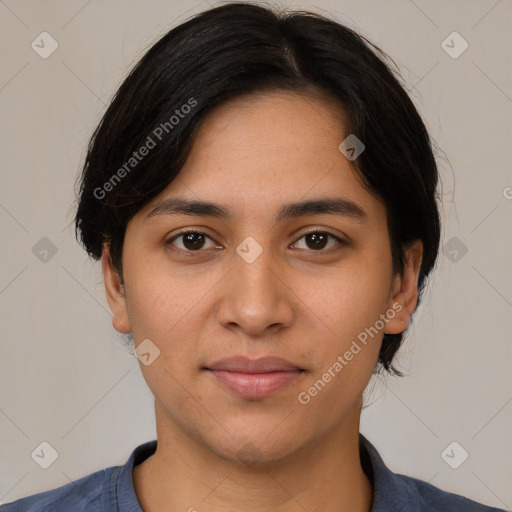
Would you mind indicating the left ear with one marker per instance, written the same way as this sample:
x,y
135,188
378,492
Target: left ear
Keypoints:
x,y
404,295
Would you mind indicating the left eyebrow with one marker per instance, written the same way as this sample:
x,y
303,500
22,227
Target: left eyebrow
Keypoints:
x,y
334,206
331,206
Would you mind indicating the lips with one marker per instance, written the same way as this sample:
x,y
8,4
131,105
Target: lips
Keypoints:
x,y
254,378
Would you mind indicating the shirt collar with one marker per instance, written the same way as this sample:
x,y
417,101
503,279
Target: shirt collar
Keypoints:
x,y
125,498
390,492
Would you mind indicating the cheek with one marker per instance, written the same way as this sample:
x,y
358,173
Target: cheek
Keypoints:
x,y
347,312
158,296
347,301
170,307
164,310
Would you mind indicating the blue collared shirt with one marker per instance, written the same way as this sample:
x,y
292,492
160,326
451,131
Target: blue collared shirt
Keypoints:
x,y
111,490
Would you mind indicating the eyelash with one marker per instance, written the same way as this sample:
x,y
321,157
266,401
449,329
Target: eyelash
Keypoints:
x,y
189,231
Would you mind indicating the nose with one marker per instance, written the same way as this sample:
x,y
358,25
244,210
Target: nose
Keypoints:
x,y
255,298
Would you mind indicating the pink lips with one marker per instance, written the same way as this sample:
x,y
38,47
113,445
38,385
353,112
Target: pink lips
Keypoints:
x,y
254,378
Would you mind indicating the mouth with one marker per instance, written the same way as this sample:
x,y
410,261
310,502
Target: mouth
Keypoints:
x,y
254,378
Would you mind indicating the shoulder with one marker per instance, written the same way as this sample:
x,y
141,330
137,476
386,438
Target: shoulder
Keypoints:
x,y
80,495
394,492
433,499
106,489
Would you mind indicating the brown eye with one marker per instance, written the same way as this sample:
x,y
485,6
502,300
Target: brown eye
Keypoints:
x,y
191,241
318,240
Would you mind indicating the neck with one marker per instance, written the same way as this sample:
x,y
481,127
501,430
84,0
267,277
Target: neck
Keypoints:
x,y
185,475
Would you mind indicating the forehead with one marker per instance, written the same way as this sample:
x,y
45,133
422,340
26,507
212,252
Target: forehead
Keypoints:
x,y
273,121
267,150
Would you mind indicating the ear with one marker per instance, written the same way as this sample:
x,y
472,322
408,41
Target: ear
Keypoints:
x,y
404,294
114,290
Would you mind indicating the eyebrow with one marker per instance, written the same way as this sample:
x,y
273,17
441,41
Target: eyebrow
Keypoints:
x,y
332,206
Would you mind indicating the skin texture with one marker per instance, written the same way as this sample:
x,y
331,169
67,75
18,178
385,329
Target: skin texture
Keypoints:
x,y
296,301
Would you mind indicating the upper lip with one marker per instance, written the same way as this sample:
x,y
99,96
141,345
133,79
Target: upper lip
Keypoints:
x,y
244,364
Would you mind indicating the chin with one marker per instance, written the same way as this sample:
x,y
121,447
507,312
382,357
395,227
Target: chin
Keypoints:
x,y
258,446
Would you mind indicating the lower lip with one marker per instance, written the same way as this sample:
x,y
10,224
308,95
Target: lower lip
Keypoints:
x,y
255,385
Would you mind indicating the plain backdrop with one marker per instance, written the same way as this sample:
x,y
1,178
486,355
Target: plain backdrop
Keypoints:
x,y
67,378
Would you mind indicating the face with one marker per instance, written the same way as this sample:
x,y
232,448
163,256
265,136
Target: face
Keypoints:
x,y
302,286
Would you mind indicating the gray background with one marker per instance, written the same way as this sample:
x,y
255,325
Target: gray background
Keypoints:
x,y
66,377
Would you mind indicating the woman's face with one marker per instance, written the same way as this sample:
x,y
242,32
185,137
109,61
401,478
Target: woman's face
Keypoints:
x,y
257,284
